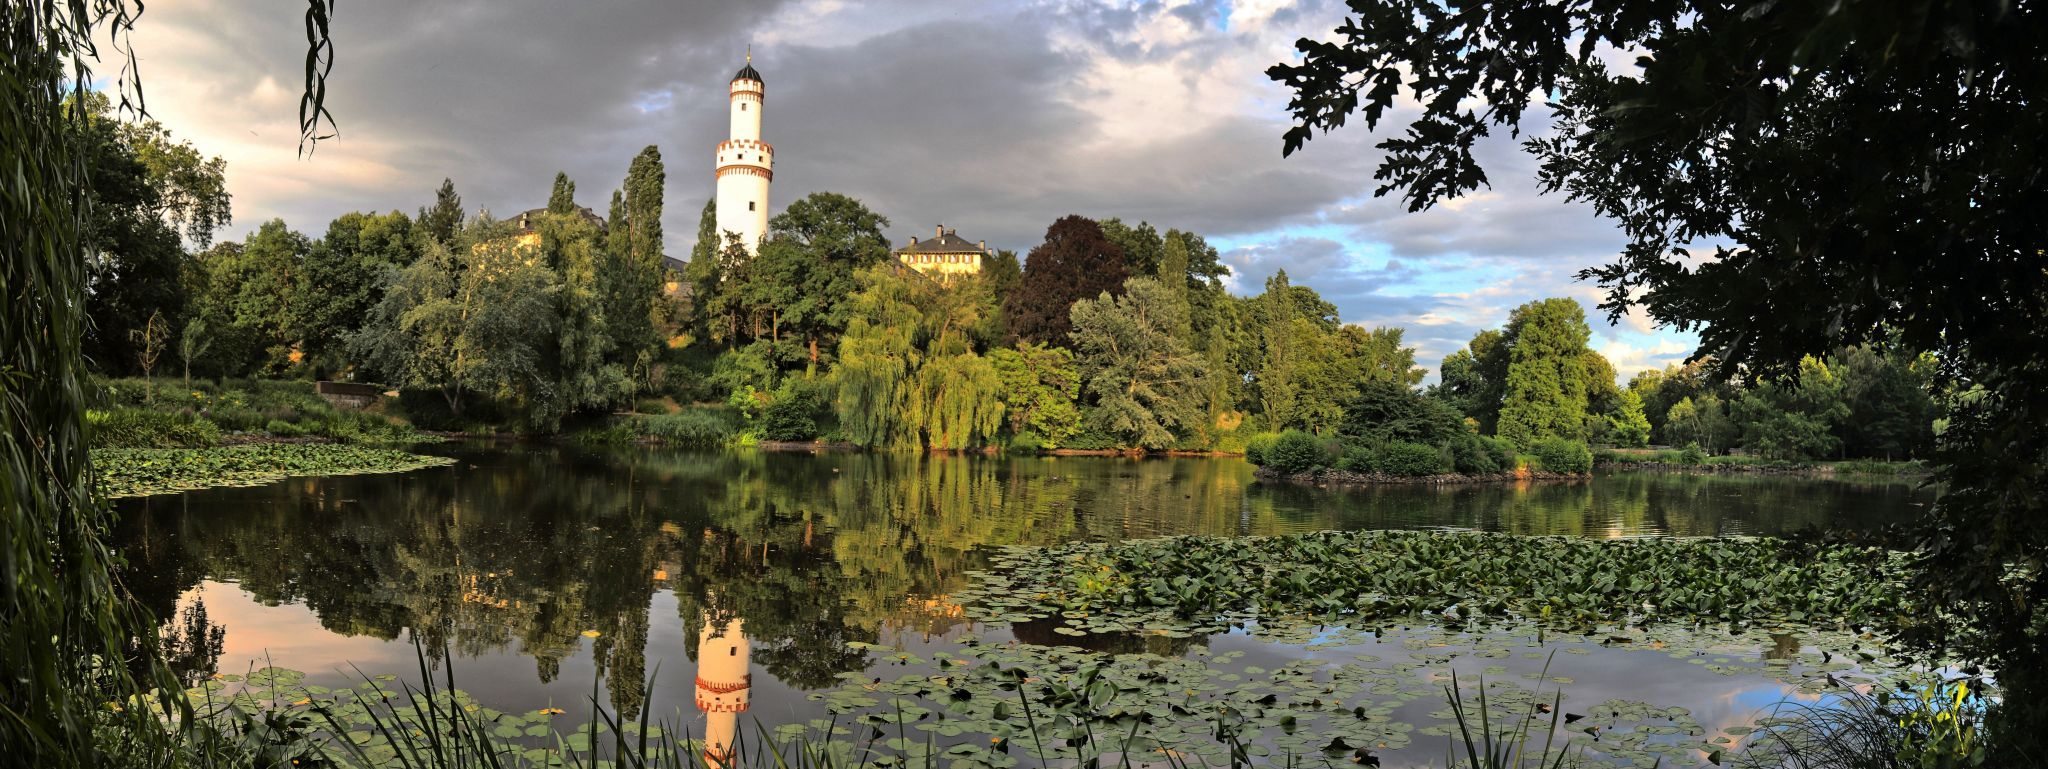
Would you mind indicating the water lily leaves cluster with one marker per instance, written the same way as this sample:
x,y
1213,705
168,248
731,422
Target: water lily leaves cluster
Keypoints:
x,y
142,472
1207,584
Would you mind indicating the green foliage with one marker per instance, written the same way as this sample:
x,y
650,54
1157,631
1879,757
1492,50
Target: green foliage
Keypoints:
x,y
1546,382
562,198
877,356
1628,425
1924,722
1793,419
1027,443
792,415
1255,447
141,472
956,401
129,428
1040,388
1293,452
1480,455
693,428
1144,380
1364,577
1403,458
1559,455
344,278
443,221
1705,424
1390,411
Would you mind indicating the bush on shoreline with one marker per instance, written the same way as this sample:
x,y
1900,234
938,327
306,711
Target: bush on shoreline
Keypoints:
x,y
1295,452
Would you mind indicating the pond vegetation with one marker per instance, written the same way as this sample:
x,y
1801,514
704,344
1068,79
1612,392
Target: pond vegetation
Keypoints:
x,y
142,472
1205,584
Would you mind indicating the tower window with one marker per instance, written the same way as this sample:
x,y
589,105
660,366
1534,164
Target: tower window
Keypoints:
x,y
750,205
732,651
743,106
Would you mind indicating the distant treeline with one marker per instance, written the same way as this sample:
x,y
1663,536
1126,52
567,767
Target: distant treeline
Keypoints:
x,y
1106,335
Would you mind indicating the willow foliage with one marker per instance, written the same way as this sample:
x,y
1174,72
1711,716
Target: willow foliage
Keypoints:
x,y
62,617
877,356
957,402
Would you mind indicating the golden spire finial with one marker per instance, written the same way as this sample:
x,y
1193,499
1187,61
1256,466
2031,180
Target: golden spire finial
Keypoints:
x,y
750,53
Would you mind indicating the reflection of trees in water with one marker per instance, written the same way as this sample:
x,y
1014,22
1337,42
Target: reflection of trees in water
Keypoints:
x,y
192,644
533,547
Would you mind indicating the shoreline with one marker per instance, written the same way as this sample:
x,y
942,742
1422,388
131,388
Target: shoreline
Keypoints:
x,y
1899,470
1332,477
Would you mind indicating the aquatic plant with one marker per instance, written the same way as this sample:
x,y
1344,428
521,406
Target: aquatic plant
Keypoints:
x,y
1200,584
142,472
1932,722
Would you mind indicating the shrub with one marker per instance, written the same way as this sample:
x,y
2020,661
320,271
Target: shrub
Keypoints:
x,y
1501,450
1558,455
696,428
1026,443
1295,451
792,417
1408,459
283,429
1470,454
1692,455
1255,447
1355,459
653,406
143,429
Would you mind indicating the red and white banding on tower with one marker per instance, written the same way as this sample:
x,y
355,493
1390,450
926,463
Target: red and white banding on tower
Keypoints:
x,y
745,163
724,686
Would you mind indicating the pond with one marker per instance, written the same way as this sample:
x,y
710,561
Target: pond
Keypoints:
x,y
548,571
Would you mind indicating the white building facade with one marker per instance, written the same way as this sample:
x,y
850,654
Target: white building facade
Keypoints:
x,y
746,164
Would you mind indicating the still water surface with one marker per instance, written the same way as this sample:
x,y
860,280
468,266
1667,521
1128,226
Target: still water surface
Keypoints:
x,y
545,570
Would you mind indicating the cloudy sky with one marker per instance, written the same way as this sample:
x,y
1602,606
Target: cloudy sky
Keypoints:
x,y
994,118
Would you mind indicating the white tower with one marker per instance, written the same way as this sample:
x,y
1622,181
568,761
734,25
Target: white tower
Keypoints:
x,y
745,164
724,687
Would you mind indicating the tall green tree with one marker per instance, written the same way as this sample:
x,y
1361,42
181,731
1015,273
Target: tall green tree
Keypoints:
x,y
1629,425
878,354
1142,246
1145,382
1890,399
1546,386
585,371
1076,261
442,220
832,237
146,188
343,280
562,199
631,285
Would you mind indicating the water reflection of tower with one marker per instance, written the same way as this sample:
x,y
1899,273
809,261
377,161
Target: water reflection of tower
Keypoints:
x,y
723,687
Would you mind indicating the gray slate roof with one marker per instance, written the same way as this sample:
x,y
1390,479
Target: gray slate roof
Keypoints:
x,y
948,243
